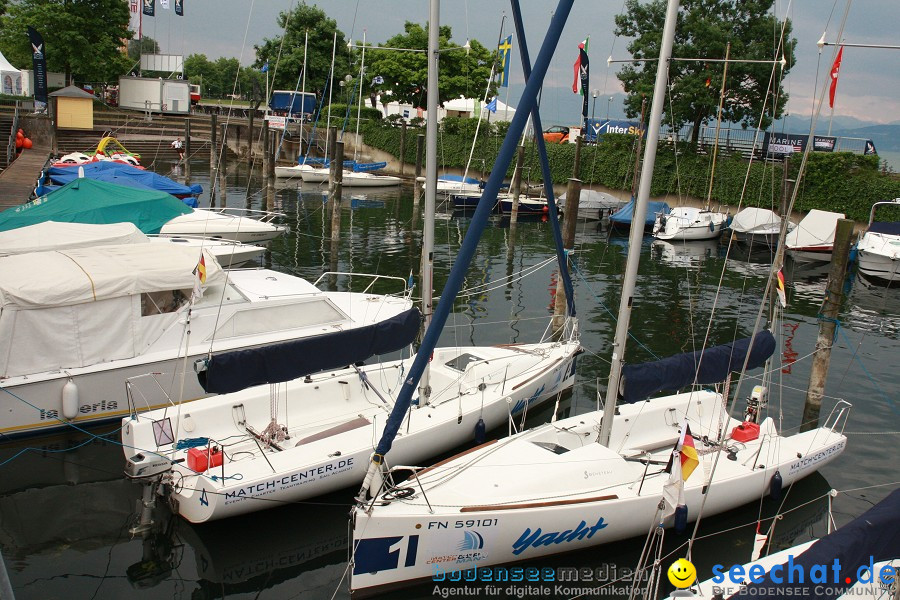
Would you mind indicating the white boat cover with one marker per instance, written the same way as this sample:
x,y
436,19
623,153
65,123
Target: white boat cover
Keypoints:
x,y
80,275
816,229
592,199
752,219
53,235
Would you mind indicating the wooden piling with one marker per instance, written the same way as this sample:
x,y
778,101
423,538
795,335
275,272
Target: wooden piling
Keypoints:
x,y
402,147
223,168
573,193
517,185
250,138
265,149
337,174
834,294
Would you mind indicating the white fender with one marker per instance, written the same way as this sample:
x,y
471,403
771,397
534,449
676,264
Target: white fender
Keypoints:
x,y
70,400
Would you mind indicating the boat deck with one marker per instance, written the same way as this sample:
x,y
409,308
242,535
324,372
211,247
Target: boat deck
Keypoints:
x,y
18,180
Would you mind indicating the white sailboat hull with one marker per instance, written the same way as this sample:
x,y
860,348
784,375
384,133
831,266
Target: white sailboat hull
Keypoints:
x,y
351,179
560,491
228,254
334,419
294,170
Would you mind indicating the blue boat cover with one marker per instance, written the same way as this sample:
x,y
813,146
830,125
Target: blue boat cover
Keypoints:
x,y
888,227
873,536
122,174
275,363
97,202
458,179
623,215
673,373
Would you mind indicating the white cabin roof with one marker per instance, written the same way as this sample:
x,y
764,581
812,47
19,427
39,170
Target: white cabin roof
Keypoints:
x,y
79,275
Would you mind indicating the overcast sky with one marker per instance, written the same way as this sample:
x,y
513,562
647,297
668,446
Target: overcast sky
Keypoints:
x,y
869,84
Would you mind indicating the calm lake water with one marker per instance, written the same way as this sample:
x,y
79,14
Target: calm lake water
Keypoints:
x,y
65,508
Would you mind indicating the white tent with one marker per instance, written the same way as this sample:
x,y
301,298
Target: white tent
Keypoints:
x,y
10,78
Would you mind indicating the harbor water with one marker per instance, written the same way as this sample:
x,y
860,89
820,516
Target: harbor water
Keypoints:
x,y
66,508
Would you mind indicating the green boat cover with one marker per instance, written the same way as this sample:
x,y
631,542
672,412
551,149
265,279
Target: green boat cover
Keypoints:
x,y
97,202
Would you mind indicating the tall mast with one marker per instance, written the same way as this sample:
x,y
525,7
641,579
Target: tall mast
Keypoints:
x,y
303,85
431,111
637,222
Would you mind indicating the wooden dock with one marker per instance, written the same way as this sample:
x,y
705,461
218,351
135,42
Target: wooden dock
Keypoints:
x,y
18,180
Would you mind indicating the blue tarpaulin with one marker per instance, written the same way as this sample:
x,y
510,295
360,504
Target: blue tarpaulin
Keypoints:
x,y
122,174
673,373
623,215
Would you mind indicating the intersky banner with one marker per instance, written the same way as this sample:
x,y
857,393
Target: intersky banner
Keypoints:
x,y
596,127
780,144
150,7
39,64
179,8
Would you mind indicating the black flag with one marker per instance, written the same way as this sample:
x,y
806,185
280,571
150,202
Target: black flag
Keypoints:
x,y
150,7
39,64
179,8
584,74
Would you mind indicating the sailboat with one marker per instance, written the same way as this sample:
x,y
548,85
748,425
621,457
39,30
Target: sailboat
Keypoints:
x,y
563,486
307,428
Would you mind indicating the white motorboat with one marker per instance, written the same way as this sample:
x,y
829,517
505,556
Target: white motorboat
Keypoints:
x,y
454,184
239,225
813,238
325,425
78,323
757,227
878,251
689,223
593,205
52,235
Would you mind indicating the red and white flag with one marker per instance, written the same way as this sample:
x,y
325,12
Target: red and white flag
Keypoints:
x,y
835,69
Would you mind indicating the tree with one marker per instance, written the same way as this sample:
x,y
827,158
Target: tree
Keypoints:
x,y
82,39
405,74
284,54
145,45
704,28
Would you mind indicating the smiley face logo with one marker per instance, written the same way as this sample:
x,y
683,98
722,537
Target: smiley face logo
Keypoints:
x,y
682,573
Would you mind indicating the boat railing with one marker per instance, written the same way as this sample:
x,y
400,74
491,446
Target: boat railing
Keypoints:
x,y
263,216
407,289
895,202
839,414
129,393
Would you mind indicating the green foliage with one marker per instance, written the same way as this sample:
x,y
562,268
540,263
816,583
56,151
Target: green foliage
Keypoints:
x,y
839,182
223,77
82,39
405,74
284,53
339,113
704,29
145,45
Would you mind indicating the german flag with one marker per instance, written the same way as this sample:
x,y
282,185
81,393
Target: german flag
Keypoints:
x,y
201,269
689,458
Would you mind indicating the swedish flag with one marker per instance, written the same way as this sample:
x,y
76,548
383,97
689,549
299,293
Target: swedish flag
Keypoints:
x,y
505,48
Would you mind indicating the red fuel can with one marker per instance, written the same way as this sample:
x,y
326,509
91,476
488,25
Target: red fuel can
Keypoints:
x,y
200,460
745,432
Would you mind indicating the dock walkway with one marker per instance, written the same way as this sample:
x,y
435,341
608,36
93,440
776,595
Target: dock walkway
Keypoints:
x,y
18,180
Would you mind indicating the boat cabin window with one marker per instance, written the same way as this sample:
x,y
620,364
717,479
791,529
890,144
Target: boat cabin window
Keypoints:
x,y
157,303
462,362
256,320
